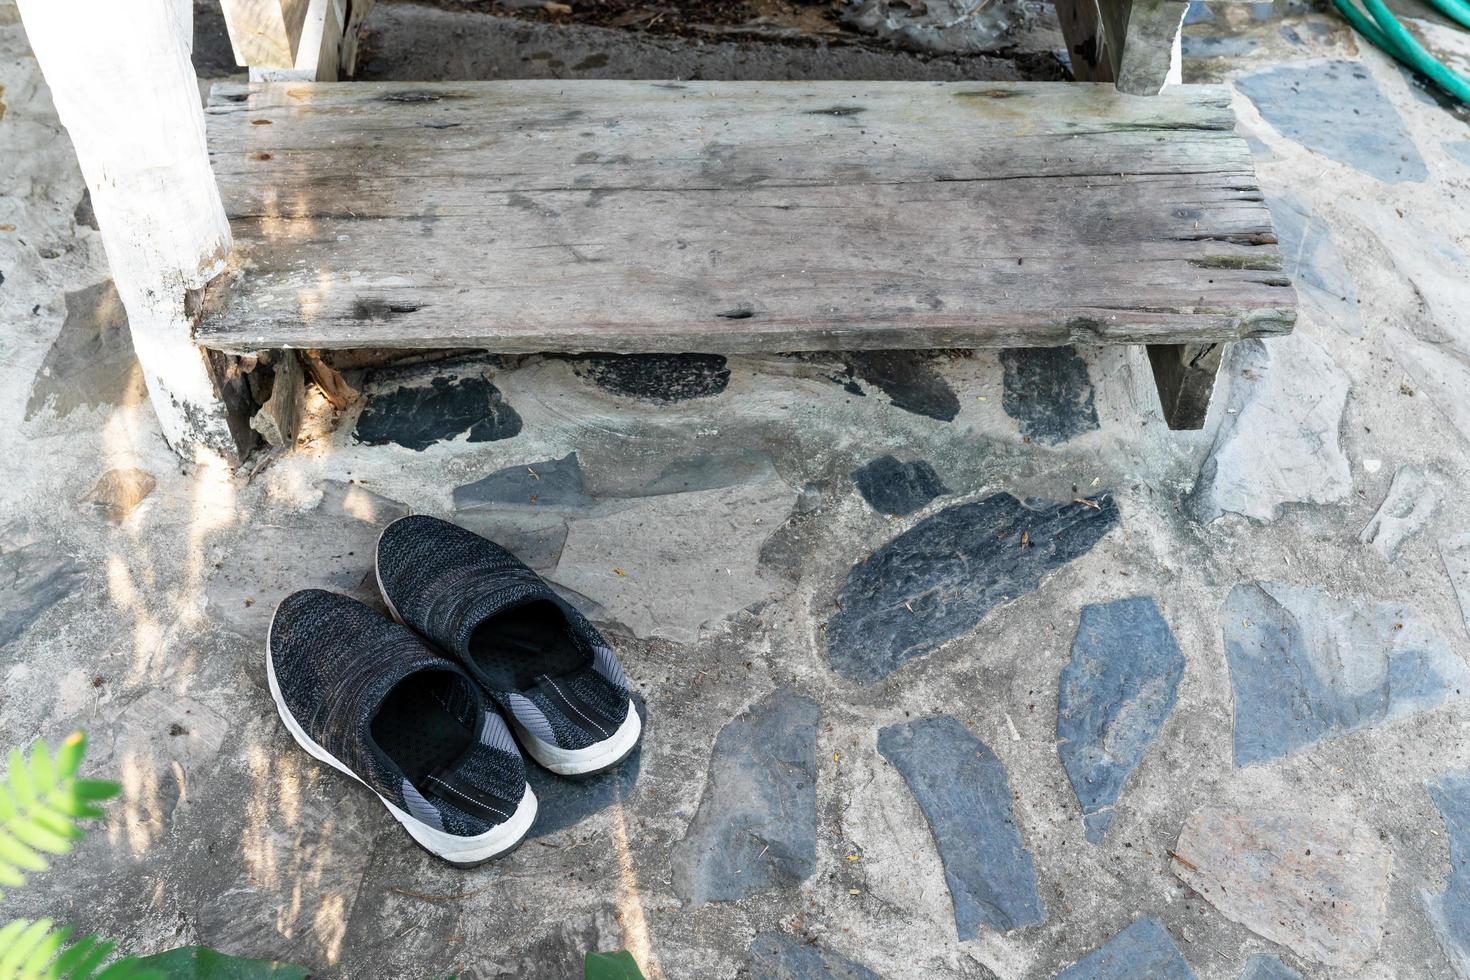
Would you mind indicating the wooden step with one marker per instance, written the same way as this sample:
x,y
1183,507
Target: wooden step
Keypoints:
x,y
735,216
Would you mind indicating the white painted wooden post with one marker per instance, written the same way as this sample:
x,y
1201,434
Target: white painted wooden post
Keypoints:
x,y
126,92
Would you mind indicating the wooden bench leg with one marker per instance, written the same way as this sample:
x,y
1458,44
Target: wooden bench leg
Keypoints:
x,y
125,90
328,46
1185,376
1150,52
1133,42
1082,31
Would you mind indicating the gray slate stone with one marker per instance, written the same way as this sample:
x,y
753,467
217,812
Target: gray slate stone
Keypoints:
x,y
1460,150
552,483
666,565
1449,910
1144,949
938,579
1411,502
355,501
1115,694
965,794
419,415
721,467
1311,258
1278,441
564,803
1264,966
1455,553
1048,392
1311,879
777,956
1307,666
91,363
756,827
34,576
1336,108
895,488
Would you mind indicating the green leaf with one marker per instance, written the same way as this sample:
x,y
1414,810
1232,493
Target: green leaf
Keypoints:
x,y
203,963
42,802
611,966
35,951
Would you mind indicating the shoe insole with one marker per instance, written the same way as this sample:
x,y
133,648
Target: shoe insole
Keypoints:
x,y
521,644
416,728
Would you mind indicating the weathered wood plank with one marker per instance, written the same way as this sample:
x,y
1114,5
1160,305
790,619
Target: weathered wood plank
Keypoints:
x,y
725,216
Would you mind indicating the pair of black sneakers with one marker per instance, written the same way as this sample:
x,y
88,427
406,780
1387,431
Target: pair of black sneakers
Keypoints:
x,y
416,707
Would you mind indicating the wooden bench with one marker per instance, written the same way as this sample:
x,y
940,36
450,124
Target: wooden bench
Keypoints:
x,y
521,216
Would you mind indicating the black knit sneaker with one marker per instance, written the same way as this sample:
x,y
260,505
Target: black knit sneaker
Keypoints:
x,y
366,696
557,679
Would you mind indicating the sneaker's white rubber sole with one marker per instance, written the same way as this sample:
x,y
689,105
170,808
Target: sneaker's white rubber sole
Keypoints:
x,y
584,762
564,762
463,851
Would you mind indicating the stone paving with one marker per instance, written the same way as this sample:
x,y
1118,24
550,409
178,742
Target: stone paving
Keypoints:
x,y
955,664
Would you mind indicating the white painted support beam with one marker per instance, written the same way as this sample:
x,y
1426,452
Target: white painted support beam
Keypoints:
x,y
265,33
125,90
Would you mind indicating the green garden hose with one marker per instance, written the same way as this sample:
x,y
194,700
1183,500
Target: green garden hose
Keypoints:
x,y
1383,29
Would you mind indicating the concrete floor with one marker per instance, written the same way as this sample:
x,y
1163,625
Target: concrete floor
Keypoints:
x,y
1263,771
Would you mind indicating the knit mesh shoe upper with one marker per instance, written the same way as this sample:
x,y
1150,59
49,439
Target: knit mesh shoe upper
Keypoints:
x,y
538,658
405,720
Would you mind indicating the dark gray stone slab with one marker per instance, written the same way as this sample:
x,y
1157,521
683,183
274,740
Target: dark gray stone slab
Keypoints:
x,y
1336,108
907,377
1144,949
939,578
1449,910
965,794
1048,392
418,416
657,378
1216,46
34,576
1264,966
1306,666
891,487
775,956
708,471
1310,257
566,802
552,483
756,827
1198,13
1115,694
91,362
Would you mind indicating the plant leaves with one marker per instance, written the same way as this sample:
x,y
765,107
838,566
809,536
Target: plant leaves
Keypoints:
x,y
203,963
42,802
619,965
